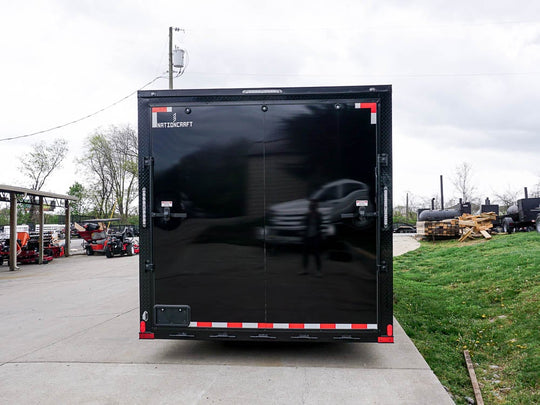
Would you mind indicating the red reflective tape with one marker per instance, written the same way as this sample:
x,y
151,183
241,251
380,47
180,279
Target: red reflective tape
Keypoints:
x,y
296,326
263,325
143,327
359,326
372,106
389,330
385,339
146,335
234,324
159,109
204,324
328,326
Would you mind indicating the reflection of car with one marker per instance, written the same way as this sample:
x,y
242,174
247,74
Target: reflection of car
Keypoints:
x,y
339,201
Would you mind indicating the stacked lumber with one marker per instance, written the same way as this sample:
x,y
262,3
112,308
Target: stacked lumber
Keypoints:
x,y
446,227
475,226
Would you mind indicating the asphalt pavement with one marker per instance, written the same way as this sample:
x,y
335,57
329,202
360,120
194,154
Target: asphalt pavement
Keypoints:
x,y
70,335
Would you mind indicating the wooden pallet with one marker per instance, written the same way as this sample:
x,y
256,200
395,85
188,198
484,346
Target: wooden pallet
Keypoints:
x,y
476,226
447,228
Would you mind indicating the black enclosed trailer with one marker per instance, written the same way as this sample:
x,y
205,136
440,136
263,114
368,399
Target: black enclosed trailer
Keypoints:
x,y
266,214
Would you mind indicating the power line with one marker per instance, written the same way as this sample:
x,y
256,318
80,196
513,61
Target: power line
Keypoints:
x,y
392,75
82,118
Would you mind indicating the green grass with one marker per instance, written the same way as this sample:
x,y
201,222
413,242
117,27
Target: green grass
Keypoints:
x,y
482,296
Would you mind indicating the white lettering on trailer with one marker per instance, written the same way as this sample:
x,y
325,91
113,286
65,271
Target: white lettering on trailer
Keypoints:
x,y
179,124
168,124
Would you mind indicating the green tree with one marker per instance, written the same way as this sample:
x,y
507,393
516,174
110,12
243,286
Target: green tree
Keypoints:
x,y
111,163
38,165
79,207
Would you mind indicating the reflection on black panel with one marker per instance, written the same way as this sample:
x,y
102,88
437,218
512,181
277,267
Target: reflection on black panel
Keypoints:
x,y
320,266
209,258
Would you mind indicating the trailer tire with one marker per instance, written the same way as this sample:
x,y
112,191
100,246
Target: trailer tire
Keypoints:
x,y
108,252
508,225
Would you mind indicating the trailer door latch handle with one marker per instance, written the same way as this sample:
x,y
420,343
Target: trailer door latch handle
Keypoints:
x,y
167,214
361,214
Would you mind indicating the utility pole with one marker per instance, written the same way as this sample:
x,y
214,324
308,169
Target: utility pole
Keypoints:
x,y
170,58
176,60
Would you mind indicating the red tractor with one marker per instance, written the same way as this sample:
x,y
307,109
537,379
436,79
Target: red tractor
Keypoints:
x,y
27,250
94,234
98,239
121,243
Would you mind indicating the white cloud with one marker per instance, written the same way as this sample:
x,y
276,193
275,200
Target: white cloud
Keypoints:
x,y
465,76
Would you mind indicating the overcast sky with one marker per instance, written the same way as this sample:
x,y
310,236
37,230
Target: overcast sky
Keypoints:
x,y
465,74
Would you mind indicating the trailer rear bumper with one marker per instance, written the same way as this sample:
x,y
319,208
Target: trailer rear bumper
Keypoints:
x,y
245,331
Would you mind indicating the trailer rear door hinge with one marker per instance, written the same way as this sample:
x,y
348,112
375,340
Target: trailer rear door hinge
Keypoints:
x,y
148,161
148,266
382,158
382,267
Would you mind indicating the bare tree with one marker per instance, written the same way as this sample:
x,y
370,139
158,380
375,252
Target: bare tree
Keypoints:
x,y
463,182
42,160
112,163
508,197
536,190
38,165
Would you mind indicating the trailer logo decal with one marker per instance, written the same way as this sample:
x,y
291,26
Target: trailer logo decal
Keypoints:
x,y
167,120
266,325
372,107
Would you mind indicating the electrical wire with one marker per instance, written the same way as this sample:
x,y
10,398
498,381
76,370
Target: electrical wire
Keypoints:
x,y
84,117
391,75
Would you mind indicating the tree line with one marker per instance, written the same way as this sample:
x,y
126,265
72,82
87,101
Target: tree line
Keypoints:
x,y
466,190
107,185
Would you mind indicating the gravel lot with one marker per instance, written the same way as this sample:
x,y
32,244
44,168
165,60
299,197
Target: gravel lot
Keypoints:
x,y
405,242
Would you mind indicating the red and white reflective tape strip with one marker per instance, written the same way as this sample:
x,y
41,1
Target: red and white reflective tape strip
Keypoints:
x,y
156,110
372,107
266,325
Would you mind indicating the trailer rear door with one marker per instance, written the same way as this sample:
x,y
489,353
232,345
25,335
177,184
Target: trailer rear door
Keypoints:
x,y
205,253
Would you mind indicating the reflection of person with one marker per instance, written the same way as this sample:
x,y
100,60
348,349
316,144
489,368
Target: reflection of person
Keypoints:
x,y
312,237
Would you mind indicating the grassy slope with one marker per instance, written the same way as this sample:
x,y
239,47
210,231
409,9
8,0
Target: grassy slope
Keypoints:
x,y
481,296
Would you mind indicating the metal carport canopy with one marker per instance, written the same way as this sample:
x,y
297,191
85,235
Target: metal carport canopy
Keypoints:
x,y
13,192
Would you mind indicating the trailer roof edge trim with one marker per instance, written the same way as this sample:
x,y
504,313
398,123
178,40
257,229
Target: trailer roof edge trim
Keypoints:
x,y
251,91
